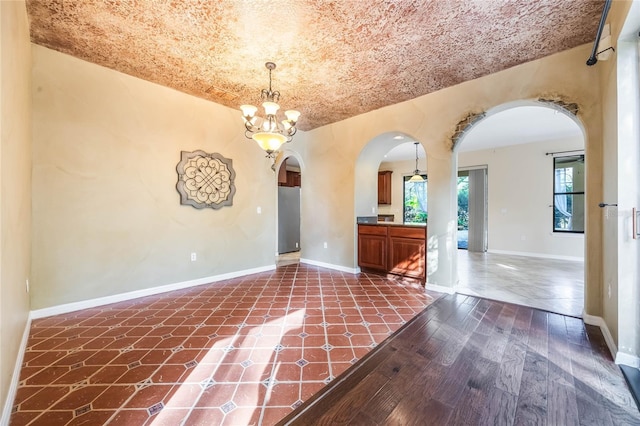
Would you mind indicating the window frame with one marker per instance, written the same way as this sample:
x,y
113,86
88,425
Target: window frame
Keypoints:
x,y
554,193
405,178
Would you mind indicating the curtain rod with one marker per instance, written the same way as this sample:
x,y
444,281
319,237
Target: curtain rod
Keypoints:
x,y
563,152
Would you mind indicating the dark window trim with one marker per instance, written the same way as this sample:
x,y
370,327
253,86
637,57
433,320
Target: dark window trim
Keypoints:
x,y
553,209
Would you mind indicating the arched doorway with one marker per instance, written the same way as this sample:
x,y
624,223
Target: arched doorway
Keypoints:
x,y
533,155
289,181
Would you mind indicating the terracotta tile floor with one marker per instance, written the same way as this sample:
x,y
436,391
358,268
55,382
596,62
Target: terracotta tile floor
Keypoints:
x,y
242,351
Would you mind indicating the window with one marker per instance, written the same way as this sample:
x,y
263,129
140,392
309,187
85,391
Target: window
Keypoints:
x,y
568,194
415,201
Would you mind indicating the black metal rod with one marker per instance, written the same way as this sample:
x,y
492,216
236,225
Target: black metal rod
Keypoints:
x,y
563,152
594,52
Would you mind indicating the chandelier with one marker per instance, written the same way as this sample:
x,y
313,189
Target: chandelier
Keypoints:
x,y
268,132
417,177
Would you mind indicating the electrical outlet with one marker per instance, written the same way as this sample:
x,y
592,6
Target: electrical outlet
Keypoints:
x,y
297,245
259,210
27,285
194,257
325,244
609,291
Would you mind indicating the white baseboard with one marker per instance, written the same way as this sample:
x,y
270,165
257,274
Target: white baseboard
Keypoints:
x,y
542,255
440,288
15,378
331,266
628,360
599,321
100,301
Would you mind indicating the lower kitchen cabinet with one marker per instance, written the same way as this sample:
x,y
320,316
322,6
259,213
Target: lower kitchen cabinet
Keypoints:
x,y
396,249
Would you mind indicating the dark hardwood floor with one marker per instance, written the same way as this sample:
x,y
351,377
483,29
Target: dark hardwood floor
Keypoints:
x,y
471,361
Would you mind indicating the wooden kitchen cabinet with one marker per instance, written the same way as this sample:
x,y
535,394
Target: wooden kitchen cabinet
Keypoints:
x,y
384,187
395,249
407,255
372,247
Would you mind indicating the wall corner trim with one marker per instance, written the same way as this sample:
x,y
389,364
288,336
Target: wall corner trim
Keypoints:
x,y
100,301
331,266
628,359
599,321
440,288
15,378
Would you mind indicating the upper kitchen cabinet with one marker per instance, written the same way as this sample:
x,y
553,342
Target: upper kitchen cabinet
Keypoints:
x,y
384,187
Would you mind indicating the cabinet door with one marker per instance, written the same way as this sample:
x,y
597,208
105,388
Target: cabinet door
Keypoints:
x,y
407,257
372,251
384,187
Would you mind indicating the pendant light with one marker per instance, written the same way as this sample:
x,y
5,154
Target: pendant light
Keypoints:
x,y
417,177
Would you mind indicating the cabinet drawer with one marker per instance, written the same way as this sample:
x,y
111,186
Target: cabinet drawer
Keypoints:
x,y
406,232
372,230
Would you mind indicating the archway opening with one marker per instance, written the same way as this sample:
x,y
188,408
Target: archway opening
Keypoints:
x,y
384,193
289,180
526,210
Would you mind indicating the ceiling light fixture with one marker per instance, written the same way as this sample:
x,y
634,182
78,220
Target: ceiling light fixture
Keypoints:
x,y
417,177
268,132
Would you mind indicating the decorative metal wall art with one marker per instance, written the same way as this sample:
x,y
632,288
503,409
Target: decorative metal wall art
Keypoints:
x,y
205,180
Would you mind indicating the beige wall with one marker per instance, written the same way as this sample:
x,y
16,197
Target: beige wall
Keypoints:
x,y
107,217
15,179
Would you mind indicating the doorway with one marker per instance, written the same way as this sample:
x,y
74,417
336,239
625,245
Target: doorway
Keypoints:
x,y
514,253
289,191
472,209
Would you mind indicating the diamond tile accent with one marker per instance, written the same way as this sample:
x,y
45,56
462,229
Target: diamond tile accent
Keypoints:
x,y
79,385
246,363
365,323
303,335
302,362
354,360
80,411
127,349
379,314
228,407
177,349
342,315
324,324
269,382
348,334
296,404
143,384
207,383
155,408
134,364
76,365
191,364
278,347
327,347
213,336
327,380
228,348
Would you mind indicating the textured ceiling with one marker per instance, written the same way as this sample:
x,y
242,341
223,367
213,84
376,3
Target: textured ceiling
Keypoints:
x,y
335,59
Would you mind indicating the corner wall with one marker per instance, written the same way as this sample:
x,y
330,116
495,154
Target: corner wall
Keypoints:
x,y
107,217
15,180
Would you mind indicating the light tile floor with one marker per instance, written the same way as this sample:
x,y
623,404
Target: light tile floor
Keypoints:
x,y
547,284
242,351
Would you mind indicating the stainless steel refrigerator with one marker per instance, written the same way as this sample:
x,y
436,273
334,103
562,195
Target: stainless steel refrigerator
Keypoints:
x,y
288,219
